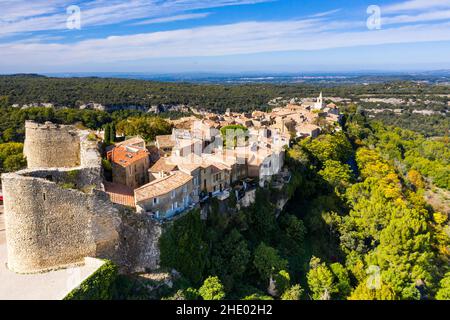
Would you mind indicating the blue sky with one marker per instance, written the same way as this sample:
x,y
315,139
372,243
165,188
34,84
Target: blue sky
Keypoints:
x,y
167,36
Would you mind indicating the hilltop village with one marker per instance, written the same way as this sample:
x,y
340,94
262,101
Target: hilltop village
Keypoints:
x,y
64,209
216,156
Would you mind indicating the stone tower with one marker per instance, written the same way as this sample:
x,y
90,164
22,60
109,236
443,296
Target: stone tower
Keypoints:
x,y
51,146
319,105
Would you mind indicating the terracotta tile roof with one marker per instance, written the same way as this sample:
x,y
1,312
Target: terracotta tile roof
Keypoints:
x,y
188,167
120,194
131,142
307,127
125,156
164,165
331,105
165,141
162,186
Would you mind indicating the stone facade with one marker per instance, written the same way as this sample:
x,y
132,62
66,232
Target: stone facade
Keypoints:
x,y
214,179
130,165
44,148
176,197
55,217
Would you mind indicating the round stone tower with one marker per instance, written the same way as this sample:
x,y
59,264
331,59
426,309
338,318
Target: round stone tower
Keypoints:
x,y
51,146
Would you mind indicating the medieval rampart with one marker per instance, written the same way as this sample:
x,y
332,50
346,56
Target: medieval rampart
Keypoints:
x,y
55,217
51,146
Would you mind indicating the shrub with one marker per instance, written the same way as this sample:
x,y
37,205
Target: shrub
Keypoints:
x,y
99,286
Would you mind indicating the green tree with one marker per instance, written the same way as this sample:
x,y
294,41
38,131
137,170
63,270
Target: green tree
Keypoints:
x,y
257,296
262,220
294,232
329,147
11,157
182,247
112,133
107,134
212,289
267,261
9,135
4,101
342,280
364,292
233,135
338,175
282,281
147,127
230,258
444,288
320,280
293,293
14,163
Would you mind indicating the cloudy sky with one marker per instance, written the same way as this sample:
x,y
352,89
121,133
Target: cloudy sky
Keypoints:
x,y
165,36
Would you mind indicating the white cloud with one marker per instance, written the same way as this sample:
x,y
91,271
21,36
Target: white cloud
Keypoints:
x,y
231,39
416,5
423,17
174,18
18,16
314,33
324,14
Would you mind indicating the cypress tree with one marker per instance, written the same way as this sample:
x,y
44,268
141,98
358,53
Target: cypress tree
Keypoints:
x,y
107,135
112,137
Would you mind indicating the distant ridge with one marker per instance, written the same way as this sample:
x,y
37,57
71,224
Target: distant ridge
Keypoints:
x,y
325,78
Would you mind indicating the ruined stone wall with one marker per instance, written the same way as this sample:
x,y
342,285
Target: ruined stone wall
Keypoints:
x,y
50,227
50,145
47,227
57,213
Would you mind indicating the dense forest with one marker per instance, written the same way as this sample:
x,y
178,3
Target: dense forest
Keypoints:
x,y
357,226
73,92
128,94
428,125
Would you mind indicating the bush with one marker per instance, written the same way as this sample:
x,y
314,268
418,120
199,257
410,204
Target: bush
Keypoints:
x,y
99,286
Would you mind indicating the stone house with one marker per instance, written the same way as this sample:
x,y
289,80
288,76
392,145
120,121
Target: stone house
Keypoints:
x,y
165,143
161,168
166,196
129,165
307,130
136,142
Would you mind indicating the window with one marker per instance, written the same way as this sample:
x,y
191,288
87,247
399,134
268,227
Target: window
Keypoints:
x,y
185,189
155,201
175,205
173,194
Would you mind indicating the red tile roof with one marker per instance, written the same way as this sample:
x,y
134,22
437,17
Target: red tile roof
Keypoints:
x,y
120,194
163,165
125,156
